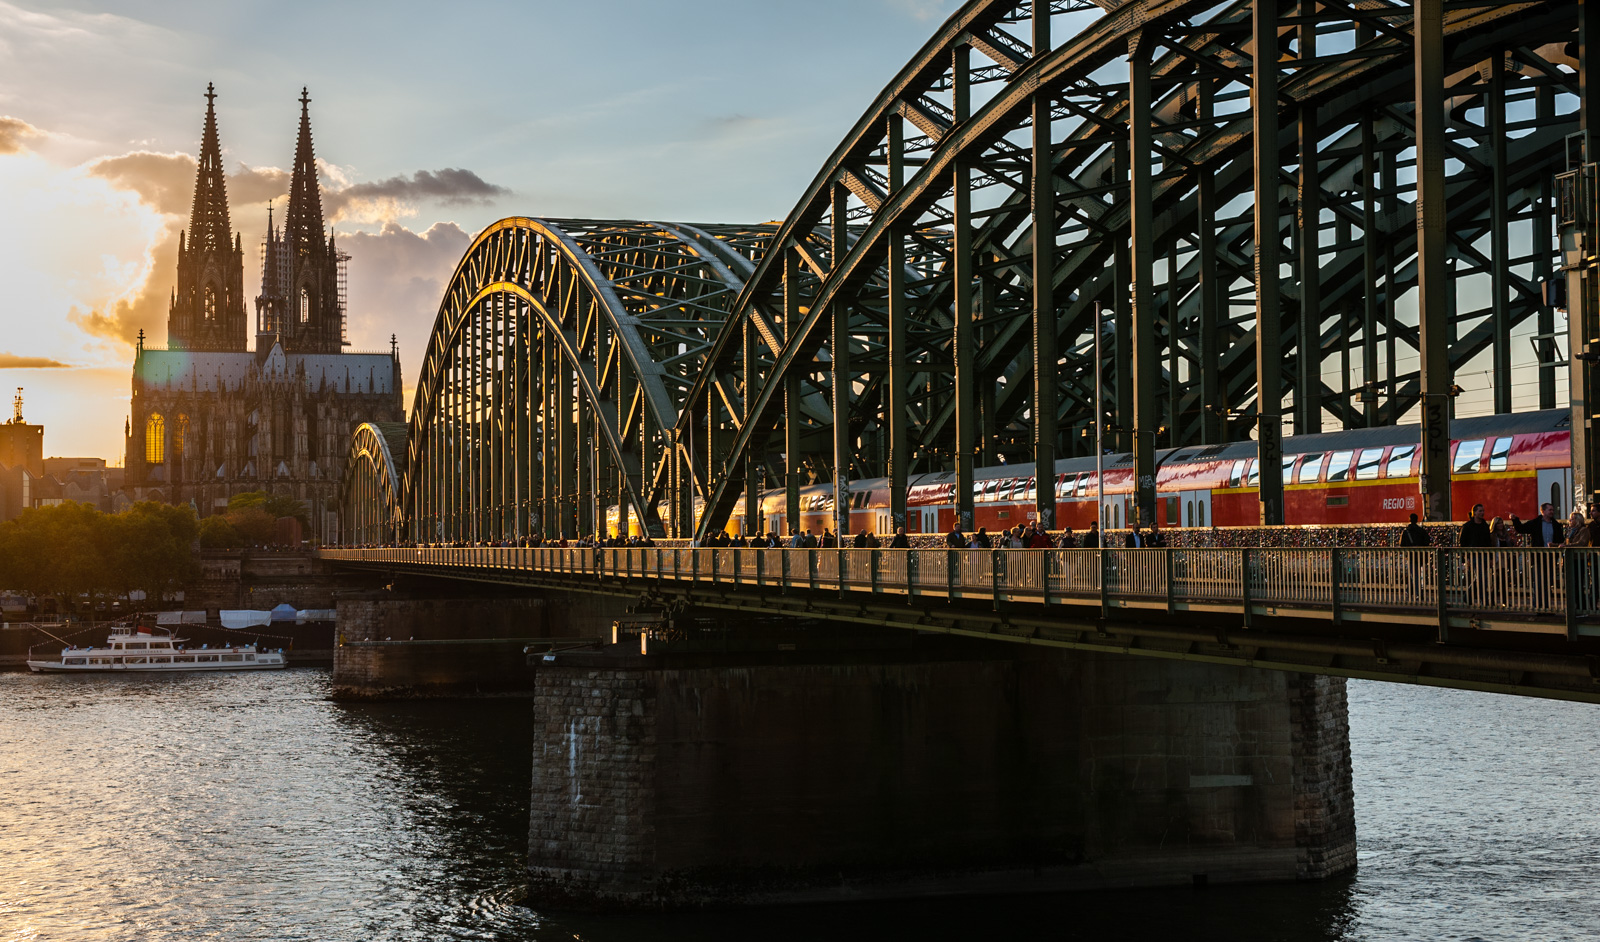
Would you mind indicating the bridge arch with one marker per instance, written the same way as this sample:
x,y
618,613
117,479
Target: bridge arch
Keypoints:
x,y
371,484
562,351
941,340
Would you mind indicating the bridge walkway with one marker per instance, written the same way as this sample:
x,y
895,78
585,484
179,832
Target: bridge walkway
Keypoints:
x,y
1523,621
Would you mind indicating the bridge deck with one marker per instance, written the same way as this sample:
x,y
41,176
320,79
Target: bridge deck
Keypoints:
x,y
1398,614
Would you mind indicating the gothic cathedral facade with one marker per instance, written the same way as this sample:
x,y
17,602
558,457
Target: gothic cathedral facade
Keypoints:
x,y
210,417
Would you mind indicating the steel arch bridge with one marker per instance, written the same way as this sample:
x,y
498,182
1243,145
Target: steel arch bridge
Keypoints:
x,y
1274,241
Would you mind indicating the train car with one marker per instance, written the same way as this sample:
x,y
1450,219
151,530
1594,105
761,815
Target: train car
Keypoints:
x,y
1510,463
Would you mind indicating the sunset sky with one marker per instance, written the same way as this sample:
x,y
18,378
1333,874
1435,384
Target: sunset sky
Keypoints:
x,y
429,126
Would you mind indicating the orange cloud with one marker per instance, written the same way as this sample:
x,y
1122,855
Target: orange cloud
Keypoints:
x,y
12,361
13,131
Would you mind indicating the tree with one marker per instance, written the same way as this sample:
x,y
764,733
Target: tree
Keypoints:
x,y
217,532
277,505
71,549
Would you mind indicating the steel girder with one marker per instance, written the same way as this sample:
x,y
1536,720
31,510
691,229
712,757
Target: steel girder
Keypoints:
x,y
562,351
907,295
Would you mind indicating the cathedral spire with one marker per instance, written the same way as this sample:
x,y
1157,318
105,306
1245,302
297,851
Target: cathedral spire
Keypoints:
x,y
303,222
209,230
207,308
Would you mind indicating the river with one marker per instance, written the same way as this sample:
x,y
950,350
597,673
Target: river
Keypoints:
x,y
250,806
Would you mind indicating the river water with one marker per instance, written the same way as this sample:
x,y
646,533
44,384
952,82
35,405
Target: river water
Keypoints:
x,y
249,806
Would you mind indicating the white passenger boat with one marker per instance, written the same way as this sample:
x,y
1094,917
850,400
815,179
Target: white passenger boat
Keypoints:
x,y
139,649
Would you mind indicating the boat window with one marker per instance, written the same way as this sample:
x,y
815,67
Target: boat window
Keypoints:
x,y
184,660
135,645
1400,462
161,660
1254,480
1339,466
207,657
249,657
1368,463
1310,469
1499,454
1468,454
1236,474
230,657
76,660
162,644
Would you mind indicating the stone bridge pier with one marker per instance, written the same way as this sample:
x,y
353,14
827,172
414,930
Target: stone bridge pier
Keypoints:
x,y
809,771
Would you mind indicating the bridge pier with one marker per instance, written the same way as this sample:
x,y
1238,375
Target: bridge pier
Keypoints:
x,y
417,643
687,779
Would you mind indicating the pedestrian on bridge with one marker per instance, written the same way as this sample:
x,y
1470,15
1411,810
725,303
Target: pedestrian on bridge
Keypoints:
x,y
1475,532
980,540
1067,540
1091,539
1543,530
955,539
1578,532
1414,536
900,541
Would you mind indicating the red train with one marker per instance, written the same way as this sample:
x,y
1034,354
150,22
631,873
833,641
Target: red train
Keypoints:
x,y
1511,463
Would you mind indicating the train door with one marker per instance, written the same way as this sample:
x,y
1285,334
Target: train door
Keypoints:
x,y
1196,510
928,520
883,524
1555,486
775,523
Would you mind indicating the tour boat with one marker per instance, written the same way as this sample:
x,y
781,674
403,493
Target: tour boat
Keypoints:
x,y
139,649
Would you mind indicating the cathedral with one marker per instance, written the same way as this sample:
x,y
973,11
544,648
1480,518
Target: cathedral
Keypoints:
x,y
210,416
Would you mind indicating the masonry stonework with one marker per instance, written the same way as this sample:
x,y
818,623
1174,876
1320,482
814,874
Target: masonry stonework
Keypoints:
x,y
682,780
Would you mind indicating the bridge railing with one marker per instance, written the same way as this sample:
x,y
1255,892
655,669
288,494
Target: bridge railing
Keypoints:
x,y
1488,585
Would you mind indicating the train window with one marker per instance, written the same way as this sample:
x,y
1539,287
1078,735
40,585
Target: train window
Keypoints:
x,y
1468,454
1400,462
1031,492
1236,474
1310,469
1064,485
1368,462
1254,480
1339,466
1288,467
1499,454
985,489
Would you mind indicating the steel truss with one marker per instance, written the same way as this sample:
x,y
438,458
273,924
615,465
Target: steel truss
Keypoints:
x,y
559,362
961,346
901,321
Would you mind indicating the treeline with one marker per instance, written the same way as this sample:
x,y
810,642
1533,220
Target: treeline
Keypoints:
x,y
71,550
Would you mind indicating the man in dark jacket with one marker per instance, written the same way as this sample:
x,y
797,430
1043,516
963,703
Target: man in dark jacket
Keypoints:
x,y
1134,539
1543,530
1475,532
981,538
1091,539
1414,535
900,541
955,539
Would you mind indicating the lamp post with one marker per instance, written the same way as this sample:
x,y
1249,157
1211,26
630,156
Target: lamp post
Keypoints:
x,y
1099,431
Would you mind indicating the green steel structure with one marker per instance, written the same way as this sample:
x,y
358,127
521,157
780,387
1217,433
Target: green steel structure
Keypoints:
x,y
1340,233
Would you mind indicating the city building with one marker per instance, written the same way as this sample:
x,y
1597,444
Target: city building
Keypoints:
x,y
212,417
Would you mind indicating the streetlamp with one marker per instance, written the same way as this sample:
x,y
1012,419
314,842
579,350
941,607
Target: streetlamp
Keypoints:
x,y
1099,429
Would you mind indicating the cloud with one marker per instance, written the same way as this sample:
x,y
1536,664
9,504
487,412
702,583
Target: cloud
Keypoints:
x,y
165,182
384,200
13,131
397,277
144,307
12,361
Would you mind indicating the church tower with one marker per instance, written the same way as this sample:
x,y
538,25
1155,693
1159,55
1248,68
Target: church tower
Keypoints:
x,y
208,308
301,302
